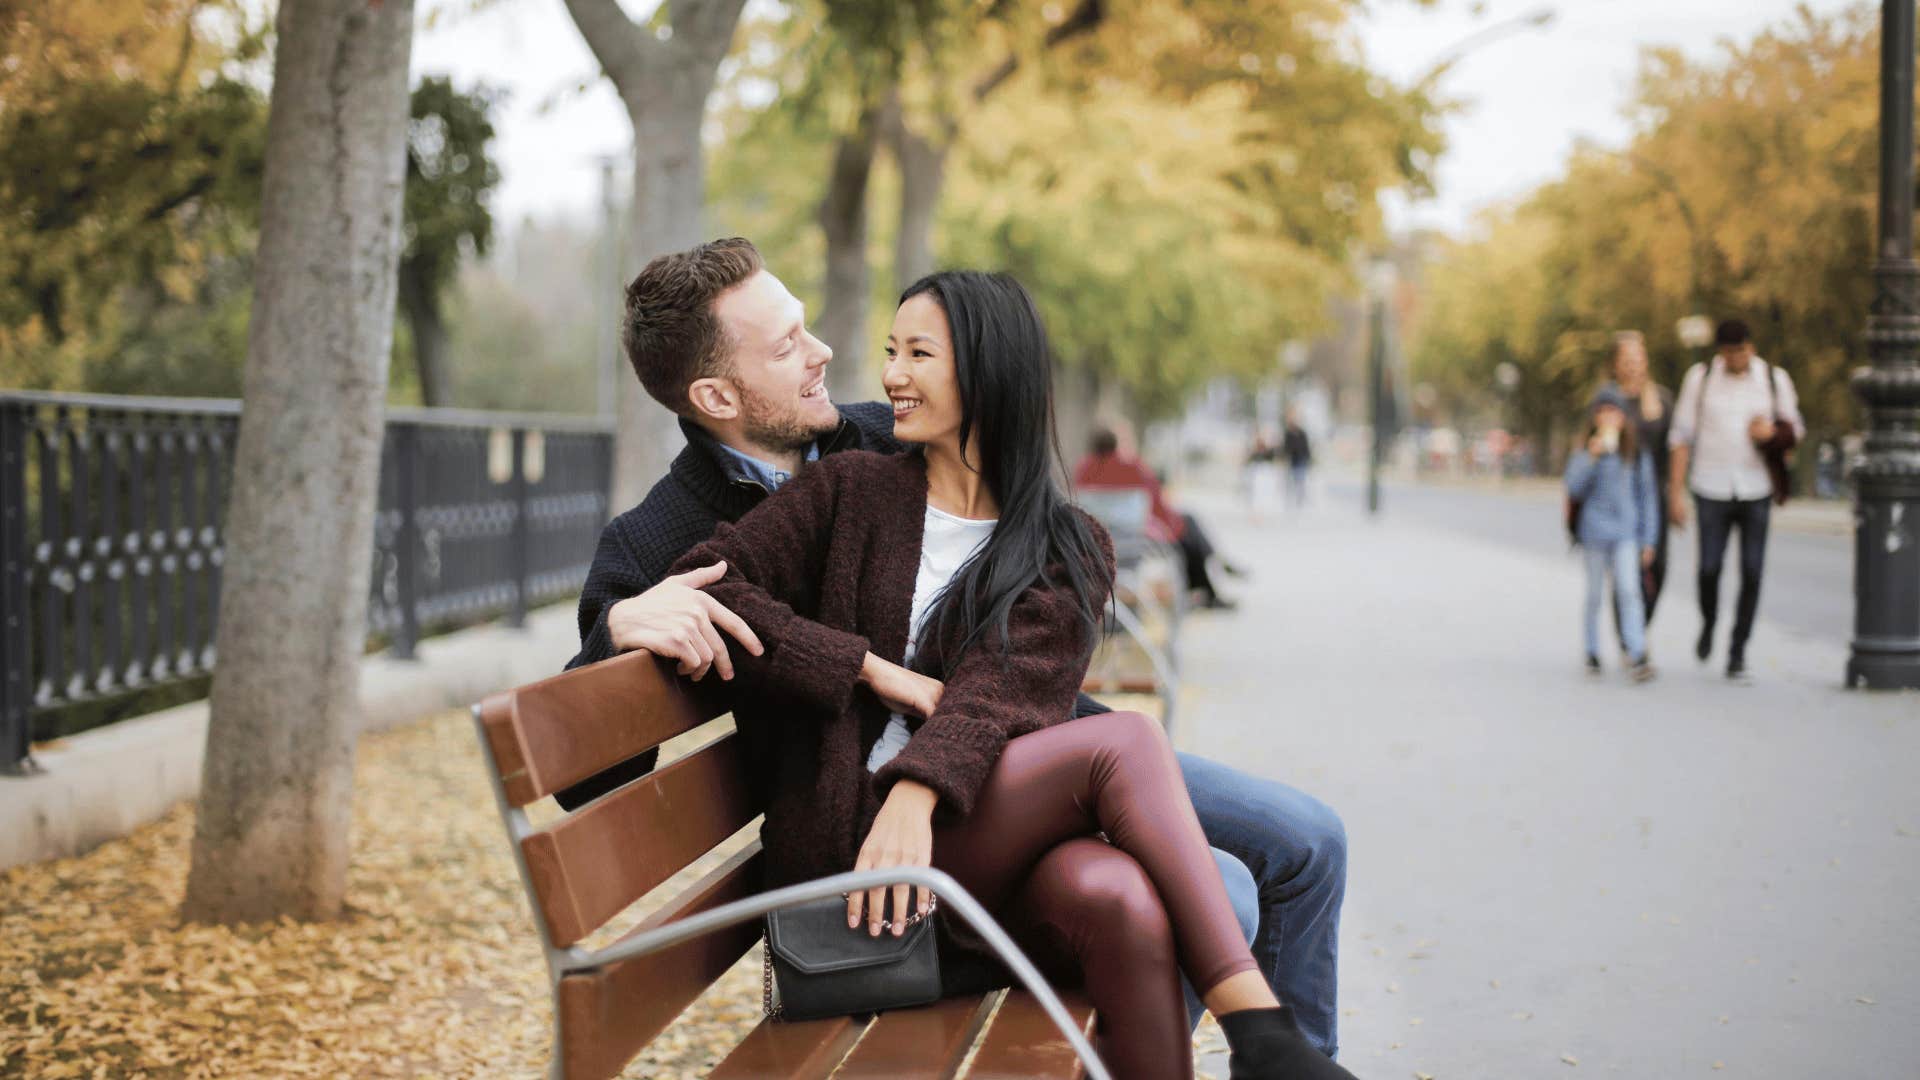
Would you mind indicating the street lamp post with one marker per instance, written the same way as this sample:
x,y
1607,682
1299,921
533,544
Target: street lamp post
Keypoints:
x,y
1380,284
1886,559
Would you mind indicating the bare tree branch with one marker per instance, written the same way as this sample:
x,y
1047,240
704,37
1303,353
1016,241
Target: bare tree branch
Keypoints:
x,y
1087,15
625,51
705,28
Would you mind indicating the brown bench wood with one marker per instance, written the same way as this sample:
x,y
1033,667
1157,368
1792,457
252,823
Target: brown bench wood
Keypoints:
x,y
587,867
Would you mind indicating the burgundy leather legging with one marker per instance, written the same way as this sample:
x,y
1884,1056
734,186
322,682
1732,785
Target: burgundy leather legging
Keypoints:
x,y
1122,911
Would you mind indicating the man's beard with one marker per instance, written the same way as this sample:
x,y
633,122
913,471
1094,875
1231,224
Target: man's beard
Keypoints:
x,y
776,428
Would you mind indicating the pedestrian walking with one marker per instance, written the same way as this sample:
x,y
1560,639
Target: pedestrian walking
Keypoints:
x,y
1263,477
1298,450
1734,429
1610,481
1650,413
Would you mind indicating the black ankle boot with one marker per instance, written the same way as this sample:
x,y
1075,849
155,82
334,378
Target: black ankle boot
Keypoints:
x,y
1267,1045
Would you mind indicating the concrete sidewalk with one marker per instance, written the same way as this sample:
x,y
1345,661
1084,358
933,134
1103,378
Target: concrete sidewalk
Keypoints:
x,y
1552,875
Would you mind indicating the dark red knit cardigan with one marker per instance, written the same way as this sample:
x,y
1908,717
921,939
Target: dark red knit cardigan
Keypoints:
x,y
823,571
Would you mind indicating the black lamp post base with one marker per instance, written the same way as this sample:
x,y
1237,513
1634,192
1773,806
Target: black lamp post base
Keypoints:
x,y
1883,670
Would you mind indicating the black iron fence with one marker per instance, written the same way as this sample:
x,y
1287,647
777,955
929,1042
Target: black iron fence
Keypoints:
x,y
111,518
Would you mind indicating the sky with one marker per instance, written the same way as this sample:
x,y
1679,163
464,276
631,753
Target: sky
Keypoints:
x,y
1529,97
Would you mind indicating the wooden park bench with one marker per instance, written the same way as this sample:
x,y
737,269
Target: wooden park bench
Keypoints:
x,y
1149,590
584,869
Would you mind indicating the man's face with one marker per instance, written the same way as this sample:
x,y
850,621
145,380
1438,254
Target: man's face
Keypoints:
x,y
1737,356
780,370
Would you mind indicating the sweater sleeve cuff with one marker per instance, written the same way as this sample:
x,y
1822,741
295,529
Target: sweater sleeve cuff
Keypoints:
x,y
950,763
598,645
818,663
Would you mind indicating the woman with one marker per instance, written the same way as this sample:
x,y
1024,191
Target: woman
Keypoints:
x,y
1610,479
1649,408
927,618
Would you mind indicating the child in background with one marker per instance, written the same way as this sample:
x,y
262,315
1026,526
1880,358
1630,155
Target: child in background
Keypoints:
x,y
1610,478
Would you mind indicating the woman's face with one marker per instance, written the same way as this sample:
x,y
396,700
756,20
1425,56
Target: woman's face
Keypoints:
x,y
1630,363
920,377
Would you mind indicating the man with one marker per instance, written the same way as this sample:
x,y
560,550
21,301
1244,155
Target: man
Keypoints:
x,y
1732,412
717,338
1298,450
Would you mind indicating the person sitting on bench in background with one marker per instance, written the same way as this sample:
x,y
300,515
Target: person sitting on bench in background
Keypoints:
x,y
717,309
1112,463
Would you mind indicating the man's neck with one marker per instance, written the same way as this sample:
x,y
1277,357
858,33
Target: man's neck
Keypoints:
x,y
787,460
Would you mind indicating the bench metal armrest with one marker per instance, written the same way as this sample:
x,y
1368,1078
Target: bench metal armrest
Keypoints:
x,y
951,895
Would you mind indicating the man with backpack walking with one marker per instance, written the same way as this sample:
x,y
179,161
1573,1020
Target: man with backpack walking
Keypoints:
x,y
1734,429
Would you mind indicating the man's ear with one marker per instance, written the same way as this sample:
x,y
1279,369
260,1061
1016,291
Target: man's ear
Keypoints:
x,y
715,399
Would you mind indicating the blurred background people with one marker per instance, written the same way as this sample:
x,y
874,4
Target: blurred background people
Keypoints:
x,y
1649,408
1112,463
1298,450
1735,423
1263,476
1610,478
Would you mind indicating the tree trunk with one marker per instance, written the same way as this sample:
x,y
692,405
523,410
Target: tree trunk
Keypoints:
x,y
664,85
842,323
923,171
276,793
429,338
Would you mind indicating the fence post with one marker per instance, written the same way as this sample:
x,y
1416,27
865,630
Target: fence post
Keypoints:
x,y
406,455
519,549
15,731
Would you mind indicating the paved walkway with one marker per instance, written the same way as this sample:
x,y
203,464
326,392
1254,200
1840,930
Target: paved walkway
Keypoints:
x,y
1553,876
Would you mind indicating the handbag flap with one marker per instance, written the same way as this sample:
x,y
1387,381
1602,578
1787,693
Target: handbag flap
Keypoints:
x,y
814,938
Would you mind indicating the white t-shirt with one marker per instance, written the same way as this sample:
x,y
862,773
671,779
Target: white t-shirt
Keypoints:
x,y
1725,463
950,542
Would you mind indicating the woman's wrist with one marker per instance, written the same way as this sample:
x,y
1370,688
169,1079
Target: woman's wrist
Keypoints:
x,y
913,793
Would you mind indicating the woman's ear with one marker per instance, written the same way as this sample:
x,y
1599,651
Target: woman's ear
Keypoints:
x,y
715,399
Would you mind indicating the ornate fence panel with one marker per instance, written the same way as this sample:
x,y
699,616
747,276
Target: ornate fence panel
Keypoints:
x,y
111,518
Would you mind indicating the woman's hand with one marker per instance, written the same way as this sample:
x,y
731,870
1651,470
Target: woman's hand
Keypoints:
x,y
907,692
902,835
1646,558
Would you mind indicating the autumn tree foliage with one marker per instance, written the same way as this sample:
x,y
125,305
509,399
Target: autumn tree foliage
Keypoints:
x,y
1746,190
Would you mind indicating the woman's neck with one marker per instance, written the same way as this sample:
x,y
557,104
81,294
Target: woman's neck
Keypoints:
x,y
954,483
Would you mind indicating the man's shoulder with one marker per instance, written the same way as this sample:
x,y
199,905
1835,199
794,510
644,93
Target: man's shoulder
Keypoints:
x,y
874,422
664,525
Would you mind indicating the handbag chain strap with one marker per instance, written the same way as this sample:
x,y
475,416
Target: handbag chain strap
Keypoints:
x,y
770,1008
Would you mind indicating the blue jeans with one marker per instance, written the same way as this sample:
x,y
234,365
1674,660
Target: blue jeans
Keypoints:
x,y
1622,559
1292,851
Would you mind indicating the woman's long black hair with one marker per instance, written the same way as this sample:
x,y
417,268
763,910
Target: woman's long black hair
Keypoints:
x,y
1004,370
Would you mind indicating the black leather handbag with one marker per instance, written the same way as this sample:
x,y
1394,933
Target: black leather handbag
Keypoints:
x,y
821,968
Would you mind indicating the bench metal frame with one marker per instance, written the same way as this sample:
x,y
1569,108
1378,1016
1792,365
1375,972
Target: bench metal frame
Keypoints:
x,y
573,959
1123,512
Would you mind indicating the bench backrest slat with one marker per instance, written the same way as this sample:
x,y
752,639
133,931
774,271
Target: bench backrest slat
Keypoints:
x,y
557,732
590,865
612,1013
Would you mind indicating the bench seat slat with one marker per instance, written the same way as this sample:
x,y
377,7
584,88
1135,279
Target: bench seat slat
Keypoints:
x,y
1023,1042
554,733
927,1043
608,1015
803,1050
592,863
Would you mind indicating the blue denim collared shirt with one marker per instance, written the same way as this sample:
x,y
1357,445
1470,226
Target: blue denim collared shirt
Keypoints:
x,y
764,474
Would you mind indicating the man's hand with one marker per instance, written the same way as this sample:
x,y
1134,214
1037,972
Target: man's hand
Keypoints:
x,y
675,619
1760,430
904,691
1677,510
902,835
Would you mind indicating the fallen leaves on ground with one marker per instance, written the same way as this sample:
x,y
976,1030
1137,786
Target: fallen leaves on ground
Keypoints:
x,y
435,971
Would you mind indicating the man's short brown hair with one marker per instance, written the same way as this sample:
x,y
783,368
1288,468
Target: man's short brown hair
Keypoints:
x,y
669,329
